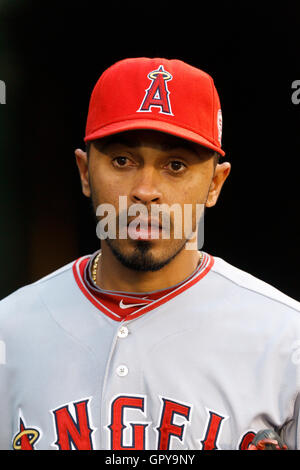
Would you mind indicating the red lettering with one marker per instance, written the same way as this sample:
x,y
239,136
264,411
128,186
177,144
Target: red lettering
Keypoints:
x,y
213,429
117,424
73,432
246,440
167,427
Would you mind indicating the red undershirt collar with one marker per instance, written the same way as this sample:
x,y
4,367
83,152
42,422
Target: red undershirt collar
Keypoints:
x,y
128,305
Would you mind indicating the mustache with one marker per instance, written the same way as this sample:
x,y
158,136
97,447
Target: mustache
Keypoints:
x,y
122,220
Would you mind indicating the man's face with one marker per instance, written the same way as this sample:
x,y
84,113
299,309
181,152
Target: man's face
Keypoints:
x,y
149,168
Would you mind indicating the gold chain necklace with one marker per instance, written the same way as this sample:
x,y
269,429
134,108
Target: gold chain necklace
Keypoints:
x,y
95,267
96,261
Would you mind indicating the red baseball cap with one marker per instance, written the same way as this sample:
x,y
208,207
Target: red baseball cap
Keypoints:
x,y
159,94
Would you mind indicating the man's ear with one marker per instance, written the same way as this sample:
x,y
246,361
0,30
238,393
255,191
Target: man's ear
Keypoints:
x,y
222,171
83,167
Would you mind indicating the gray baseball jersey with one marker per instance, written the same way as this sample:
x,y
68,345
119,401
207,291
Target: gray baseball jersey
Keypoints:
x,y
204,367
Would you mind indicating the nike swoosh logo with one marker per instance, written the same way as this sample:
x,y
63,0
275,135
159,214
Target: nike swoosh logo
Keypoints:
x,y
129,305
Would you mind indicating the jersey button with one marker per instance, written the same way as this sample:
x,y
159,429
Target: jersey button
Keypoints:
x,y
123,332
122,370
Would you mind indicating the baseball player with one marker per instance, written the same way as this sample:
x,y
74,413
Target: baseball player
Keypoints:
x,y
151,342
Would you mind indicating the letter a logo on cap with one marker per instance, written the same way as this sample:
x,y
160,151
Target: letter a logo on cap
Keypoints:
x,y
157,94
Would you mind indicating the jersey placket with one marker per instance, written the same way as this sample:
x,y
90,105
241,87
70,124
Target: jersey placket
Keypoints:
x,y
122,381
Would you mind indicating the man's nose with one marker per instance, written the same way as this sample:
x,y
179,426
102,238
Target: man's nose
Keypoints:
x,y
145,187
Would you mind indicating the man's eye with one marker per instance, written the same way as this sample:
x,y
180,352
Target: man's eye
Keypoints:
x,y
176,166
120,161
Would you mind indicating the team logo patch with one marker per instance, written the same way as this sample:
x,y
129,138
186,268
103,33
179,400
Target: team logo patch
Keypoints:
x,y
219,125
26,437
157,95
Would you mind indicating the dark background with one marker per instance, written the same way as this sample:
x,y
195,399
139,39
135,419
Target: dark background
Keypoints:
x,y
51,55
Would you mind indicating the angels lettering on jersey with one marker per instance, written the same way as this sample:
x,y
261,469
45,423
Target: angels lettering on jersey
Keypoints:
x,y
73,429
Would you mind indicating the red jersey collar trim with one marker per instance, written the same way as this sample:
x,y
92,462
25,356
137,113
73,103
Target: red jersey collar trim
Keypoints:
x,y
206,265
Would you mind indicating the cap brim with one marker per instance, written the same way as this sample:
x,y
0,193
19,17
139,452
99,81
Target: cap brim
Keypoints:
x,y
152,124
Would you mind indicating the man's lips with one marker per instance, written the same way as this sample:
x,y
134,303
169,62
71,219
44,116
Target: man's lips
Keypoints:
x,y
145,230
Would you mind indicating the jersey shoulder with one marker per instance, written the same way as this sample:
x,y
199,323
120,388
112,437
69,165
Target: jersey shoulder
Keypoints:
x,y
27,298
251,284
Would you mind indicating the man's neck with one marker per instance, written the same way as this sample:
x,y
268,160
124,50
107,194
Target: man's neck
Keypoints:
x,y
113,275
